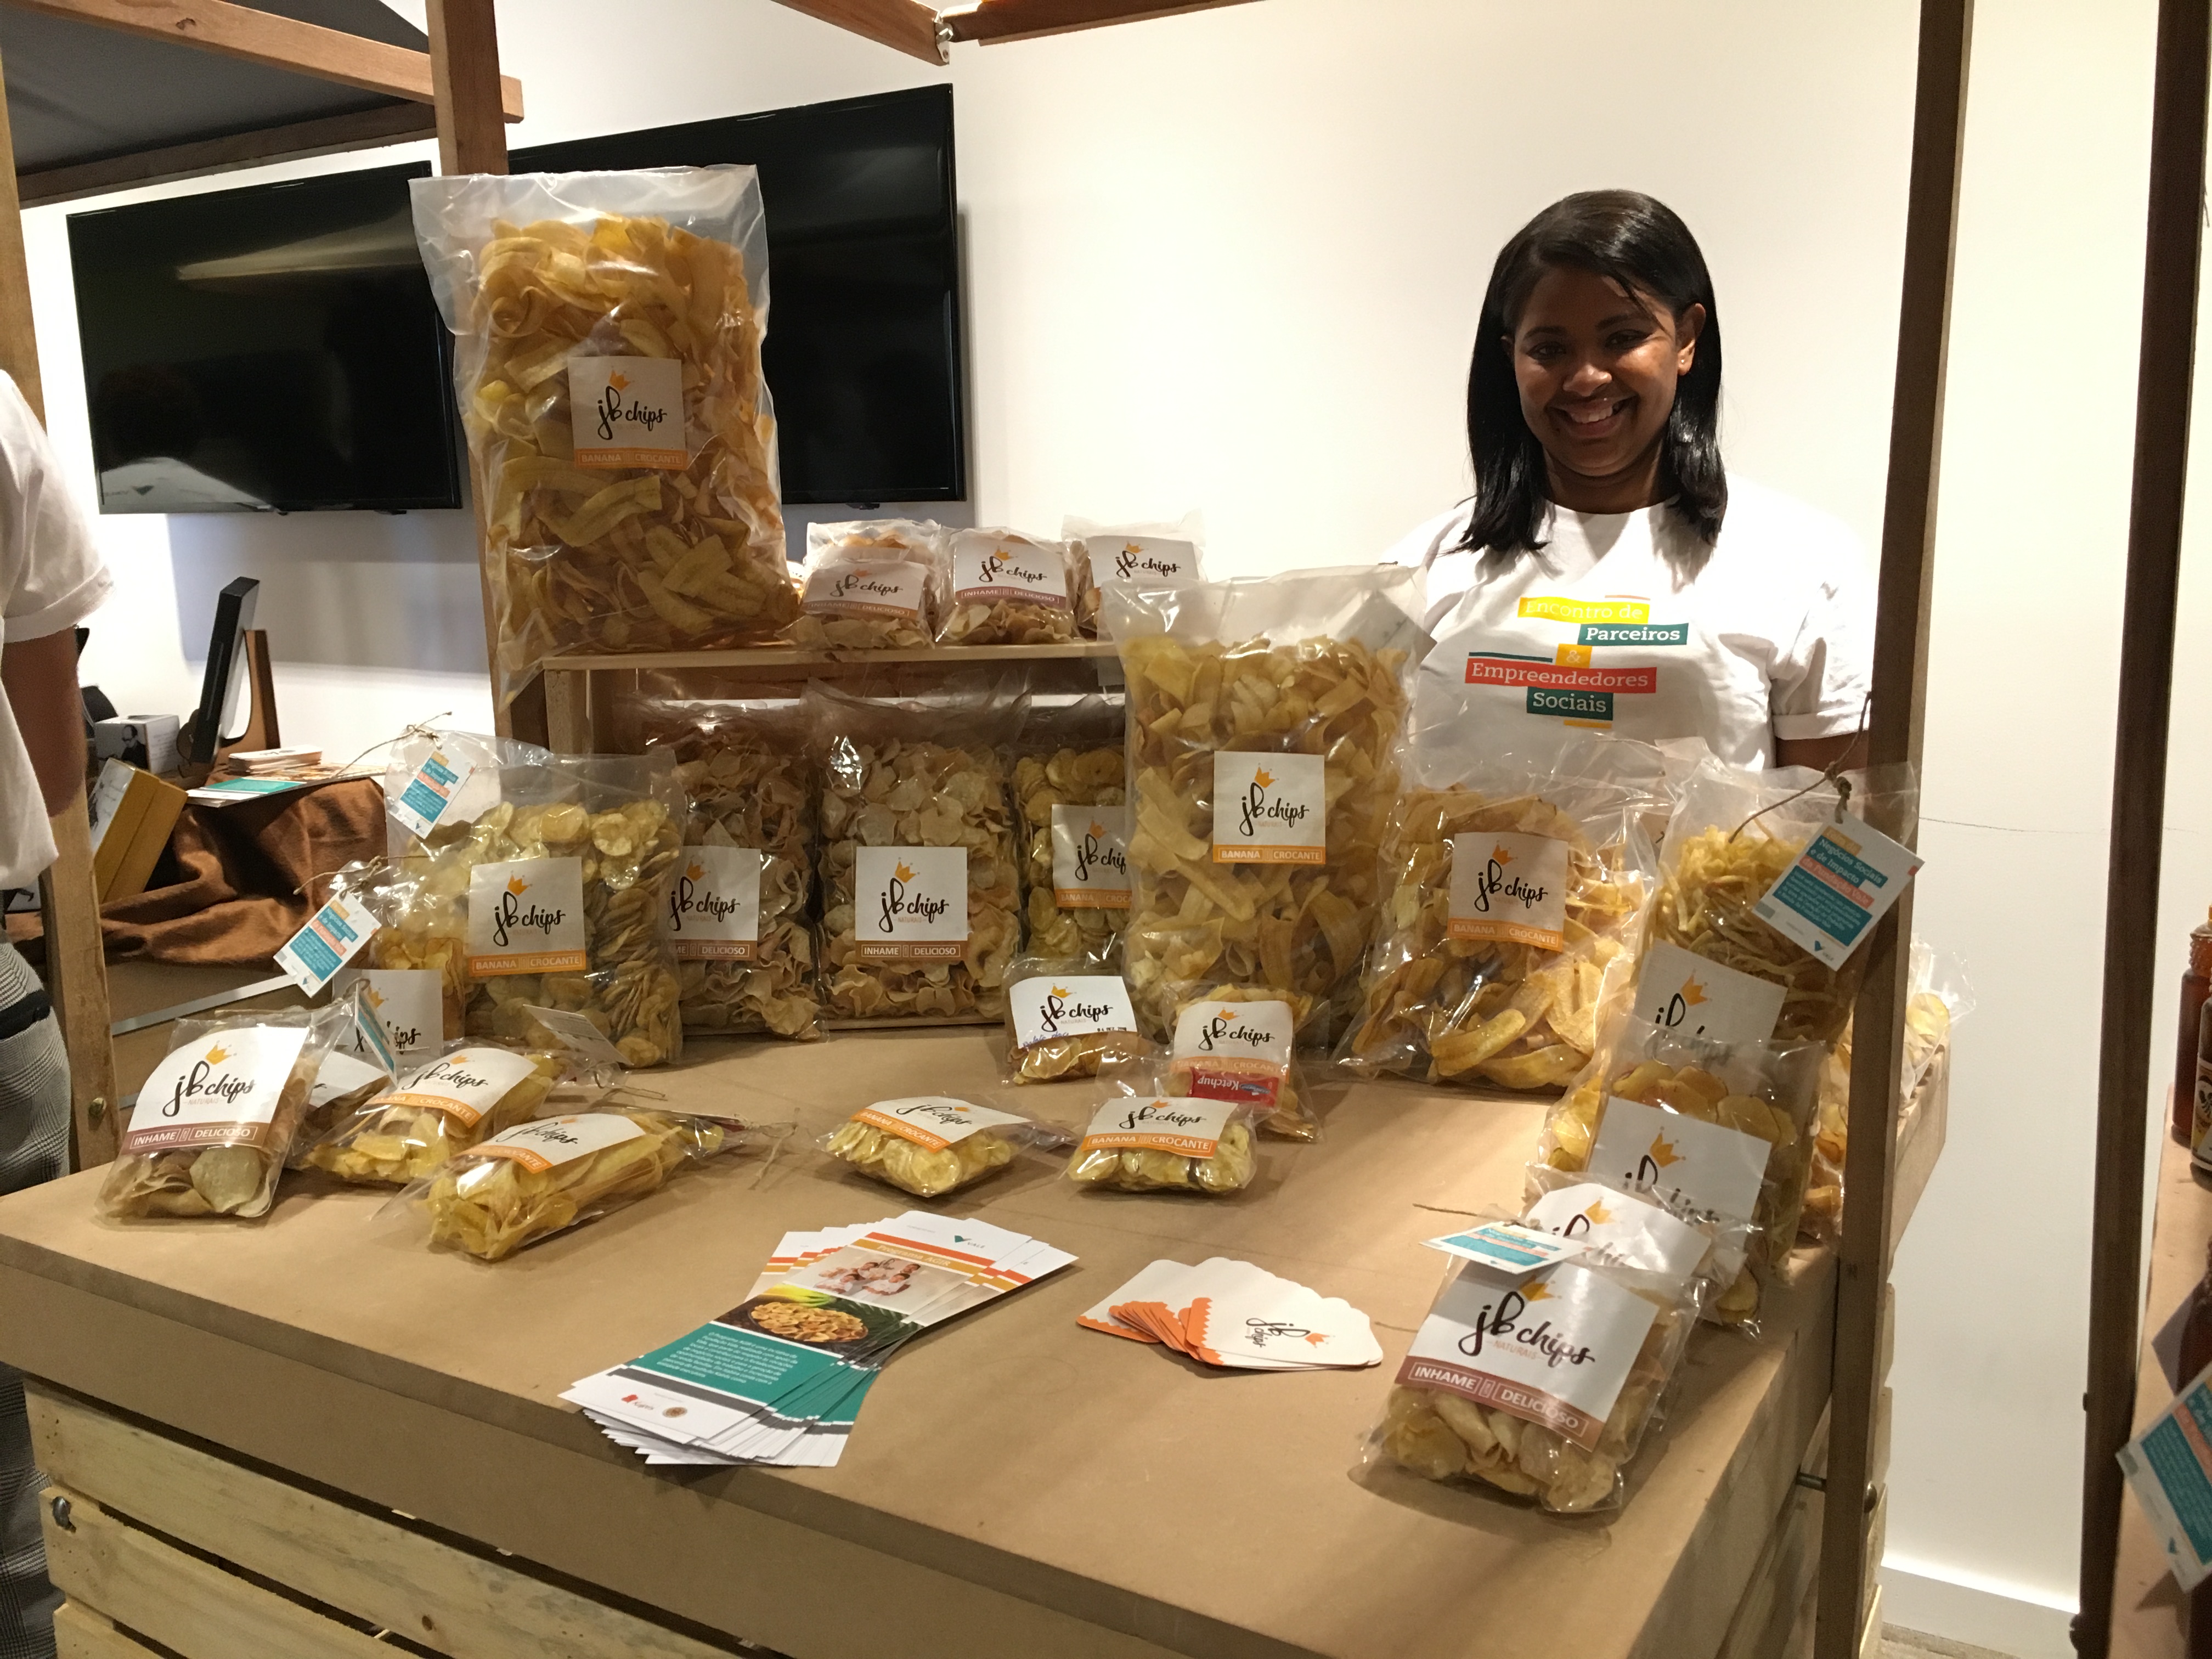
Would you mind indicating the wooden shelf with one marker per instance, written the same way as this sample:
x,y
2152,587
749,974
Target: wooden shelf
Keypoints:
x,y
790,659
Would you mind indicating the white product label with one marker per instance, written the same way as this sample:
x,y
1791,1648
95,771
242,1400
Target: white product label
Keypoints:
x,y
410,1003
713,908
935,1121
1616,1228
464,1085
1234,1051
1682,992
1091,858
1140,1123
1270,808
1508,1247
342,1074
910,903
988,568
574,1032
311,957
1553,1349
1684,1160
1140,561
526,916
538,1146
890,589
1510,886
1845,879
627,411
223,1089
436,783
1070,1005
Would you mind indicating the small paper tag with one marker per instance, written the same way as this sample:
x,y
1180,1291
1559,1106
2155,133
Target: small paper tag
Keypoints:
x,y
2169,1466
1510,886
1234,1051
1615,1227
1678,992
408,1002
713,908
934,1121
1069,1005
1270,808
1841,884
892,589
312,956
1683,1159
911,904
375,1037
986,568
526,916
436,783
627,411
464,1085
1140,561
553,1141
576,1034
1091,858
1508,1247
221,1090
1190,1128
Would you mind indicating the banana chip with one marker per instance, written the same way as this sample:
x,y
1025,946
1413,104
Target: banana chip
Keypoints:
x,y
619,434
1927,1035
444,1108
930,1145
872,585
1136,1145
1083,915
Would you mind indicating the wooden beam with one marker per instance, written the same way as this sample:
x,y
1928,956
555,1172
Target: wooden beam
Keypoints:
x,y
996,21
391,123
906,26
2165,364
19,334
465,72
1900,678
273,42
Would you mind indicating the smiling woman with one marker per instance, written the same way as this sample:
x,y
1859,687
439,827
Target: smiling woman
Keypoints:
x,y
1609,572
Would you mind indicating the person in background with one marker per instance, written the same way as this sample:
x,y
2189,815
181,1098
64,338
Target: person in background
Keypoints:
x,y
1609,572
51,579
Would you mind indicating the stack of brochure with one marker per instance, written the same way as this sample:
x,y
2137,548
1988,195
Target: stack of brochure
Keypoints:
x,y
780,1378
1238,1317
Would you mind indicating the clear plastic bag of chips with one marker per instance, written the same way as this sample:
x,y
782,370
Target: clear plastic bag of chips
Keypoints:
x,y
1638,1228
1066,1020
345,1083
933,1144
1071,774
607,357
469,1093
1236,1043
216,1118
1146,1143
1263,723
871,585
1007,589
432,773
1517,887
557,893
1130,556
919,873
1480,1400
1723,1129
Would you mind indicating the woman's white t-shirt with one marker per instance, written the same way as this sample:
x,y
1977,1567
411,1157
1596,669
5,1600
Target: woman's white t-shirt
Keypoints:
x,y
51,578
1625,622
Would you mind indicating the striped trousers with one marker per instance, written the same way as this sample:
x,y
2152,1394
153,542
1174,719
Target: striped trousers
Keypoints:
x,y
34,1120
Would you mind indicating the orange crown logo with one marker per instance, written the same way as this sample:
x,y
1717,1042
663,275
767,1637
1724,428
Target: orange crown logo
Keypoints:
x,y
1537,1290
618,380
217,1054
1059,990
1500,855
1664,1153
1262,778
1316,1337
1693,993
374,997
901,872
1227,1017
696,873
1597,1214
1131,547
1097,830
516,886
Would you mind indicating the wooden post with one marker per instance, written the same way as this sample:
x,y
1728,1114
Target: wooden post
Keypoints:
x,y
76,966
2166,362
1900,675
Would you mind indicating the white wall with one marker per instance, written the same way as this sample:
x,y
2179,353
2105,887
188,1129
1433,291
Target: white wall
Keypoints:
x,y
1232,260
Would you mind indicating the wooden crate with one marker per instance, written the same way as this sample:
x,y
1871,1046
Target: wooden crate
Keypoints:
x,y
157,1539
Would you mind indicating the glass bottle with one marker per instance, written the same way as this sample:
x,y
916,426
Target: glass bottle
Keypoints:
x,y
2196,981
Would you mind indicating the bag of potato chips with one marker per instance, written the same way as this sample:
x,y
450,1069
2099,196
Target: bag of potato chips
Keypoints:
x,y
1263,723
1517,887
556,894
1070,788
871,585
1130,556
434,773
1007,589
607,357
1065,1021
215,1118
933,1144
920,885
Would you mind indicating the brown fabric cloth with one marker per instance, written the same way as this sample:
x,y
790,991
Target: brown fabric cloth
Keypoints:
x,y
236,878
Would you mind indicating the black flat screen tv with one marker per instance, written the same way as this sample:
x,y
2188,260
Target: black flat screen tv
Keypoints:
x,y
864,337
273,347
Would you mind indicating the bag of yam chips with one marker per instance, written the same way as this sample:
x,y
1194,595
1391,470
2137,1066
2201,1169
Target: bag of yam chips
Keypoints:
x,y
607,333
1070,789
1264,718
215,1120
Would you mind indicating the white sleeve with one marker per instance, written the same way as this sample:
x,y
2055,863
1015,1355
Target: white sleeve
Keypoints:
x,y
1821,677
1429,548
50,573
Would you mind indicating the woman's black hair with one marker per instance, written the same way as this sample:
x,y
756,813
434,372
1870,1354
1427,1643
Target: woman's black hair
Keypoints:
x,y
1643,245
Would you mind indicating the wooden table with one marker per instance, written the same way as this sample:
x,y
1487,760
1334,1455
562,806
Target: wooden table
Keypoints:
x,y
1016,1486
